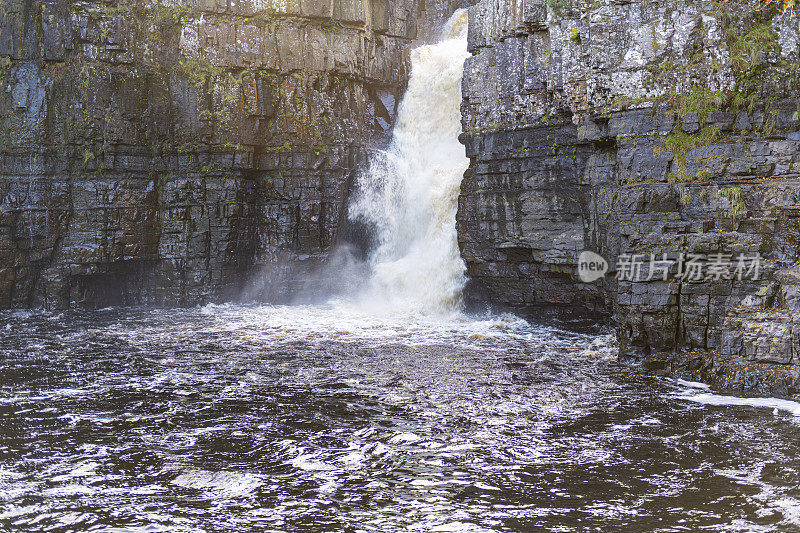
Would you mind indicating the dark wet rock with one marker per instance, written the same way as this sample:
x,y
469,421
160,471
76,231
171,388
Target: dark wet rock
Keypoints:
x,y
690,123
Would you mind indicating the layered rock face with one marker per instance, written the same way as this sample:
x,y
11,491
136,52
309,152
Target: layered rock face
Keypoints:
x,y
634,130
166,152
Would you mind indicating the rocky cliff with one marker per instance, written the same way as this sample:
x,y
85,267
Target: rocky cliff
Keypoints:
x,y
165,152
634,130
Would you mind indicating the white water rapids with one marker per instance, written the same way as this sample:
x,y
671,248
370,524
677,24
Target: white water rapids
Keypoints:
x,y
410,192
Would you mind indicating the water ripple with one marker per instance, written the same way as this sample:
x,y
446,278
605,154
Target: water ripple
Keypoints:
x,y
237,418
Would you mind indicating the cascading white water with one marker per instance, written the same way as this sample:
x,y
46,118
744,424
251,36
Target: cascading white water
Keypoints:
x,y
410,192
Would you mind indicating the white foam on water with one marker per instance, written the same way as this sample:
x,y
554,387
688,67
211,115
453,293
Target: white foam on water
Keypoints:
x,y
405,438
226,484
692,384
708,398
460,527
341,321
72,489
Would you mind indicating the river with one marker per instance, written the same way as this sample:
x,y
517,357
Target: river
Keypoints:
x,y
261,418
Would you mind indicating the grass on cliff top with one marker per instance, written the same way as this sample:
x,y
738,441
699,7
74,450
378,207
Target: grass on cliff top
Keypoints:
x,y
760,77
698,99
748,51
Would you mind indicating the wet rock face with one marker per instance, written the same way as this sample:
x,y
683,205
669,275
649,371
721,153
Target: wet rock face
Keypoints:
x,y
640,128
157,153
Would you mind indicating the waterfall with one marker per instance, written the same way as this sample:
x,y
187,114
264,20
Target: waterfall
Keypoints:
x,y
409,193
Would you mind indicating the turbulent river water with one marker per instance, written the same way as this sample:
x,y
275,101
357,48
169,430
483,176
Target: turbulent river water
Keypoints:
x,y
389,410
254,419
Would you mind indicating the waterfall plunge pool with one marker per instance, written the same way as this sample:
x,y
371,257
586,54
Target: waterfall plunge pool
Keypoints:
x,y
259,418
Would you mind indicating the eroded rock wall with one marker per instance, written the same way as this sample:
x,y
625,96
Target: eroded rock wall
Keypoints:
x,y
640,128
166,152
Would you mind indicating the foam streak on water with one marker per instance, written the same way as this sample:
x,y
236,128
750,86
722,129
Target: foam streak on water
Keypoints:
x,y
410,192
